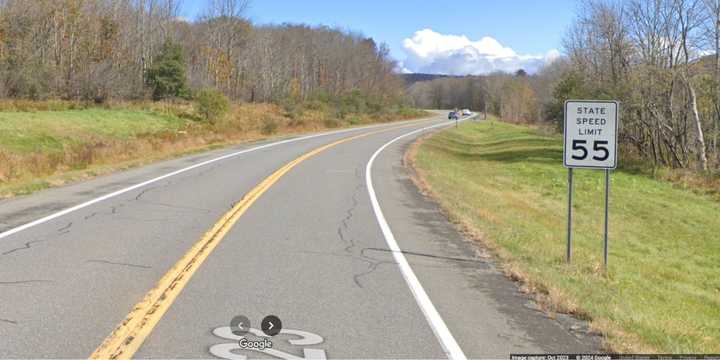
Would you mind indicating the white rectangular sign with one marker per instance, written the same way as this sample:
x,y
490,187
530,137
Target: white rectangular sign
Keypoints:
x,y
590,134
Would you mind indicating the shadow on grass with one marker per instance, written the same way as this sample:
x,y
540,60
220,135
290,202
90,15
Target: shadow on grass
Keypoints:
x,y
517,150
517,142
531,155
511,142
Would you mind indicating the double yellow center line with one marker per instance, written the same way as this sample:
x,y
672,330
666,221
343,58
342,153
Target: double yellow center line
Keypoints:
x,y
129,335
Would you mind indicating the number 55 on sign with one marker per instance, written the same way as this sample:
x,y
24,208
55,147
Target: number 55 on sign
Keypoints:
x,y
591,134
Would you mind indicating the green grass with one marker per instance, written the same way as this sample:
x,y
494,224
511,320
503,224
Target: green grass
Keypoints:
x,y
49,131
662,292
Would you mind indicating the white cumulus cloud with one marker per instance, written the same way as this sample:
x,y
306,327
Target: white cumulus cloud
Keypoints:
x,y
431,52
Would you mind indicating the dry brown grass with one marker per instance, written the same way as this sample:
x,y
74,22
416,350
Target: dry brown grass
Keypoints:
x,y
19,105
707,183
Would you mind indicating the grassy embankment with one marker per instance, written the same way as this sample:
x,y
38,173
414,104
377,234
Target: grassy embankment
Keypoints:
x,y
506,184
45,144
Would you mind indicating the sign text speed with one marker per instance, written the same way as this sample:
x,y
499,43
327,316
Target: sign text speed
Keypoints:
x,y
590,134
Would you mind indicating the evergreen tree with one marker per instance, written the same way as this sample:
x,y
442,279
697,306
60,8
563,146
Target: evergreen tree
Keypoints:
x,y
167,74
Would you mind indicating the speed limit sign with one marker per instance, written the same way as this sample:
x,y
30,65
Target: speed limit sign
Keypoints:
x,y
590,141
591,134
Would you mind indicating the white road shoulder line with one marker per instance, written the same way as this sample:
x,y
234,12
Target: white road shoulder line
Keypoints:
x,y
180,171
449,345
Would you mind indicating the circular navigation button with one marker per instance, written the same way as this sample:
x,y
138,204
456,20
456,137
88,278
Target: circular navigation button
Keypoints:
x,y
240,325
271,325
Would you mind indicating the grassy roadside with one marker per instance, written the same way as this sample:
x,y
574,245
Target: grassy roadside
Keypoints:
x,y
506,184
65,142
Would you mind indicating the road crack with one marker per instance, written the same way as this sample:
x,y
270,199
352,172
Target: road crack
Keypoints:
x,y
8,321
100,261
65,229
414,253
145,220
344,222
345,237
373,264
26,246
113,211
177,207
145,191
24,282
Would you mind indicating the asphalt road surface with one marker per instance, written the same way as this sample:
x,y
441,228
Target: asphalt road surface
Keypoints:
x,y
352,259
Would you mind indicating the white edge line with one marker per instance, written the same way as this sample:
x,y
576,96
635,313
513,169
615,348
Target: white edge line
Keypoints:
x,y
180,171
446,339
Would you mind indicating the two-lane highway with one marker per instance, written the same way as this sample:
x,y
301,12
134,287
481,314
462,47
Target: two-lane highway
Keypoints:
x,y
327,232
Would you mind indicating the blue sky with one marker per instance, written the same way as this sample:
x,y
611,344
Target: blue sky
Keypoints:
x,y
517,34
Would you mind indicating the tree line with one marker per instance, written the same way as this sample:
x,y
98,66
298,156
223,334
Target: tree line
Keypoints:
x,y
514,97
138,49
659,58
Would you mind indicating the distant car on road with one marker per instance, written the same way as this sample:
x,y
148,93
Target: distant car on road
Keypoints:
x,y
453,115
466,112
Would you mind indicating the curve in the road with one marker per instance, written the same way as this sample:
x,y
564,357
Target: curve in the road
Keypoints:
x,y
129,335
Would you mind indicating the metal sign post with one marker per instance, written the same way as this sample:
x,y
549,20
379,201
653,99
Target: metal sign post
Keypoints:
x,y
607,202
590,141
569,218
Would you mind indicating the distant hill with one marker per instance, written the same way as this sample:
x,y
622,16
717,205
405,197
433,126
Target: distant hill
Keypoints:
x,y
415,77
